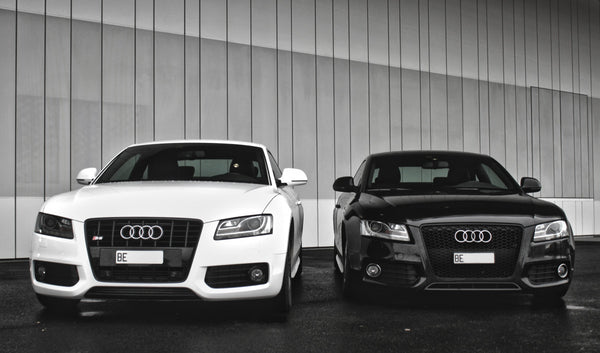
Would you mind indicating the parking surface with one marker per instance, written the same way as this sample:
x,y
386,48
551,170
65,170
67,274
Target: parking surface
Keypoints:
x,y
320,321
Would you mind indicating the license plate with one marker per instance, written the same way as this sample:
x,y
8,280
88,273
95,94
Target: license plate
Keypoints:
x,y
125,257
474,258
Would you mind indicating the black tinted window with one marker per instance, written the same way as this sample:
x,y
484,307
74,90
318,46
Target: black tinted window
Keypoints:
x,y
211,162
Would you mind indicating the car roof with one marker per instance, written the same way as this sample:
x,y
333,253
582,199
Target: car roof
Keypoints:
x,y
226,142
417,153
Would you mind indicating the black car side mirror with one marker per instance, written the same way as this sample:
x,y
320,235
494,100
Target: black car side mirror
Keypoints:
x,y
530,185
345,184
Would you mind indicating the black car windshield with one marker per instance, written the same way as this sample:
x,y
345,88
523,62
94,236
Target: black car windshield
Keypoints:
x,y
186,161
428,173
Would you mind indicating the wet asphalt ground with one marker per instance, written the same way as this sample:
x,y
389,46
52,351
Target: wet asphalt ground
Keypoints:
x,y
320,321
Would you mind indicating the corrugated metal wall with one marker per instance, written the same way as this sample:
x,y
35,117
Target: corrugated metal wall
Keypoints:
x,y
323,83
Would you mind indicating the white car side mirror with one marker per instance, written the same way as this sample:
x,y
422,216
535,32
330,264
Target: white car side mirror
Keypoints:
x,y
293,177
85,176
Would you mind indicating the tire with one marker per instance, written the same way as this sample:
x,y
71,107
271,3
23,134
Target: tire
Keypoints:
x,y
282,303
336,269
351,281
58,305
299,271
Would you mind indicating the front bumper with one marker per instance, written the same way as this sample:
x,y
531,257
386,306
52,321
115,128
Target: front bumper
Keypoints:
x,y
265,250
409,266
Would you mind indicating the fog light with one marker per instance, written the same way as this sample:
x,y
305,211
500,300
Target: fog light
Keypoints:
x,y
562,271
256,275
41,273
373,270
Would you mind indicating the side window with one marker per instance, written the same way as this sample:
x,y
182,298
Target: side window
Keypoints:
x,y
359,174
276,169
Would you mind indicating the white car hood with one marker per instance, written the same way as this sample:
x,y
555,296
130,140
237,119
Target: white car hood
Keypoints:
x,y
207,201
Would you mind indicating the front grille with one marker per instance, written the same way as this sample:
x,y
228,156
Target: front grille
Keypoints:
x,y
139,293
441,246
234,275
543,273
178,244
478,286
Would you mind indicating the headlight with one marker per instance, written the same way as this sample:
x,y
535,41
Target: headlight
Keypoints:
x,y
248,226
552,230
389,231
54,226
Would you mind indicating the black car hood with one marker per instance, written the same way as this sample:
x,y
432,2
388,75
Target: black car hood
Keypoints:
x,y
418,208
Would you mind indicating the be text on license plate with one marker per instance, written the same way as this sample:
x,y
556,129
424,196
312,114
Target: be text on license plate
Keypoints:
x,y
474,258
150,257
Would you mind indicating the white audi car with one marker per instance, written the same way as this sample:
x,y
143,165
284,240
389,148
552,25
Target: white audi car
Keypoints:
x,y
212,220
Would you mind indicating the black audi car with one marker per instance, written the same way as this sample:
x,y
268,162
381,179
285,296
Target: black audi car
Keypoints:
x,y
447,221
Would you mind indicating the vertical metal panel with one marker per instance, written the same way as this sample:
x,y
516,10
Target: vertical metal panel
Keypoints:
x,y
409,34
213,70
554,41
576,143
379,88
536,165
284,151
584,143
556,131
341,82
470,103
192,69
144,71
117,78
86,78
508,42
544,46
169,68
411,108
519,43
58,129
359,83
522,133
239,71
453,38
595,107
30,117
546,143
494,39
325,119
439,111
424,67
7,133
30,105
510,130
468,20
454,71
565,43
395,75
264,73
531,19
437,76
497,128
484,113
574,35
583,27
456,140
304,110
567,145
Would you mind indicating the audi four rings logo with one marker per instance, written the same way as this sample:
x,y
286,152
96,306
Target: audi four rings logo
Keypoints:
x,y
473,236
141,232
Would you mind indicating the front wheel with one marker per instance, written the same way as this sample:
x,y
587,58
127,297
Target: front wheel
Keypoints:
x,y
351,281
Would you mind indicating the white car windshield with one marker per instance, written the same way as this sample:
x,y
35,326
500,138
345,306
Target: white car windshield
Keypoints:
x,y
188,161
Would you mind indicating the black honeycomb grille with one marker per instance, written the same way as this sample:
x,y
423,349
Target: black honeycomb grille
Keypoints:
x,y
178,243
441,246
